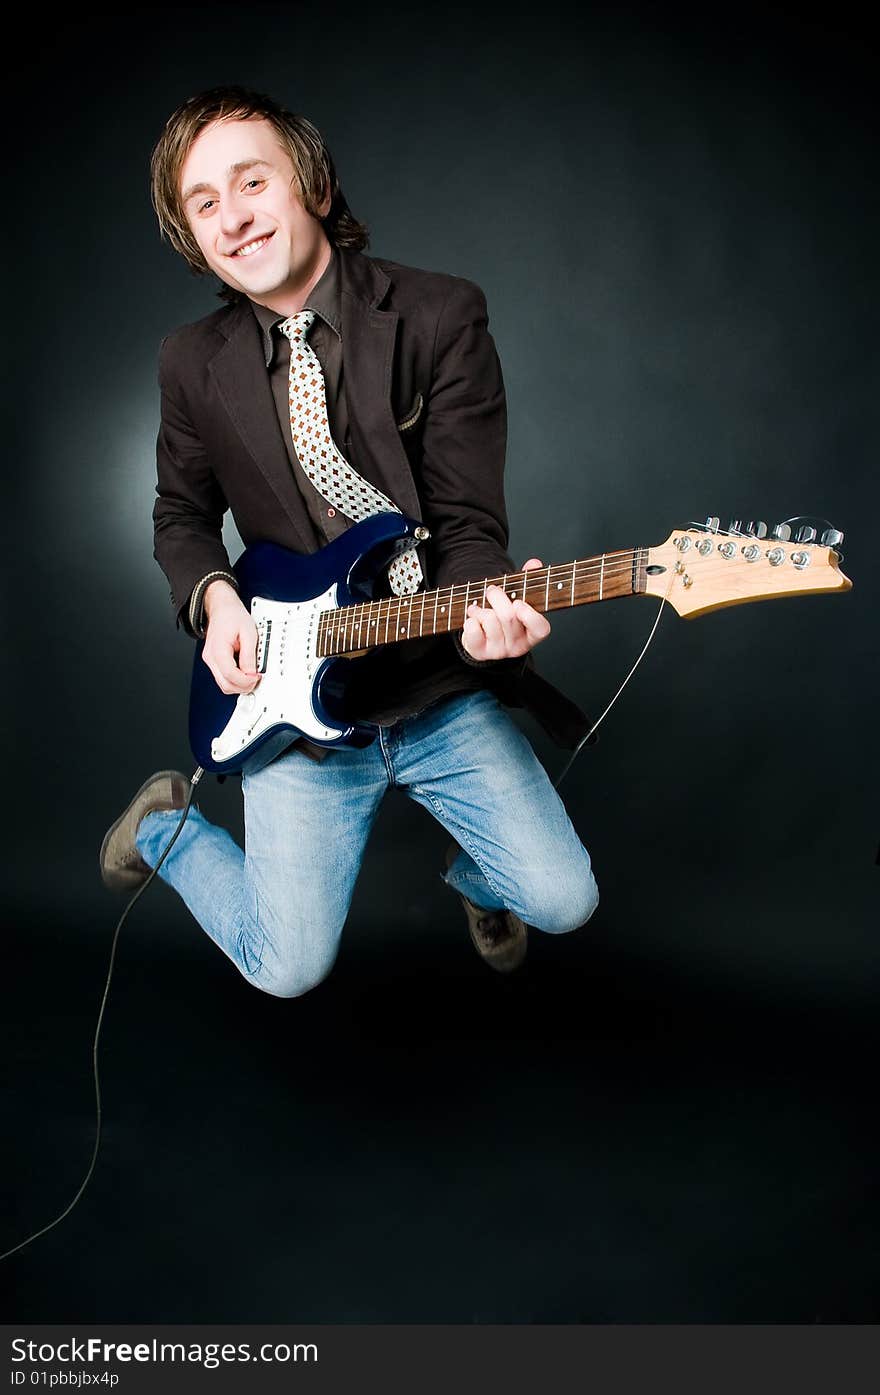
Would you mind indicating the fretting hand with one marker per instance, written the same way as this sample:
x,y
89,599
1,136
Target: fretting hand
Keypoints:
x,y
503,629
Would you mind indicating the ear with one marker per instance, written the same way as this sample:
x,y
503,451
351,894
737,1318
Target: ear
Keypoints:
x,y
324,205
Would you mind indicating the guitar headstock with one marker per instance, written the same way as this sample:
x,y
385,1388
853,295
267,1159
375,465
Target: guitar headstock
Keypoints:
x,y
702,568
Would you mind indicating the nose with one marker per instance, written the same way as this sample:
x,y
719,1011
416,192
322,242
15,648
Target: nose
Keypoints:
x,y
234,215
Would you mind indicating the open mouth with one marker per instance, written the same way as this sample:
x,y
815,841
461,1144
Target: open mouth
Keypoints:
x,y
250,248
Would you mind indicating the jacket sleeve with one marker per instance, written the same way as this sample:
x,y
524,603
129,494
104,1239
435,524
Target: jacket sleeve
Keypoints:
x,y
465,437
189,508
463,449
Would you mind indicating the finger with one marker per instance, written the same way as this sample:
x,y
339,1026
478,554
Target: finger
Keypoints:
x,y
482,635
499,602
247,650
521,628
474,637
504,609
535,625
473,640
531,564
227,674
494,641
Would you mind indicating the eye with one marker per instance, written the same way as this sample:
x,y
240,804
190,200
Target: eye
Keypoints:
x,y
254,183
206,206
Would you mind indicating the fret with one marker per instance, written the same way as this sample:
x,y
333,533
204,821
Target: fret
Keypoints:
x,y
365,625
402,629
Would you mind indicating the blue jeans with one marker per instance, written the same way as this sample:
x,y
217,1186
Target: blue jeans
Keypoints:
x,y
277,909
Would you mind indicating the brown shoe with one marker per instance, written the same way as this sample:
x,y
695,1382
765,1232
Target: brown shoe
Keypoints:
x,y
122,866
499,937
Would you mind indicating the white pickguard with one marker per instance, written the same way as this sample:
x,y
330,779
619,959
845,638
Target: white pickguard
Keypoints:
x,y
288,659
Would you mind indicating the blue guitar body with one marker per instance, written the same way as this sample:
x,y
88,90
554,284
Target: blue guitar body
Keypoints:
x,y
300,693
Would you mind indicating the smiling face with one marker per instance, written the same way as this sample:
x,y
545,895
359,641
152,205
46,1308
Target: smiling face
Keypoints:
x,y
240,199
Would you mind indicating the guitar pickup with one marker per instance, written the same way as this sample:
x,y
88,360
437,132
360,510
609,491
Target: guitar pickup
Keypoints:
x,y
264,634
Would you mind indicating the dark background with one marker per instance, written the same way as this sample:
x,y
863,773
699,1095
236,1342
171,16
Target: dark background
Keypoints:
x,y
667,1117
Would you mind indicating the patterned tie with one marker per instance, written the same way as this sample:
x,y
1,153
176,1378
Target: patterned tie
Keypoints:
x,y
317,452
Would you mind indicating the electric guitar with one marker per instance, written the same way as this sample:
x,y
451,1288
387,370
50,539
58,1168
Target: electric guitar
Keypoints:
x,y
315,613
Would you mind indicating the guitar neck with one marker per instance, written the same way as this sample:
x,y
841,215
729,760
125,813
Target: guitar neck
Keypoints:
x,y
391,620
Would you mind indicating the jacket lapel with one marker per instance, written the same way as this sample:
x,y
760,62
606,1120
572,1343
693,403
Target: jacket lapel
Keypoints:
x,y
368,338
239,371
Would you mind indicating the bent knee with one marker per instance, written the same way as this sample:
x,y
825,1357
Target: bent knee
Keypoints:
x,y
562,908
296,972
293,981
294,955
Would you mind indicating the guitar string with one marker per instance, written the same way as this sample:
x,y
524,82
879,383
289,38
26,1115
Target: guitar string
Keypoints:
x,y
332,621
621,560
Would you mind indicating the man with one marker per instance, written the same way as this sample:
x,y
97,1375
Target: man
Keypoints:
x,y
408,391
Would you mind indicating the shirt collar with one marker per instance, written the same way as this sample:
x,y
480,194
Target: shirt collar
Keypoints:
x,y
323,299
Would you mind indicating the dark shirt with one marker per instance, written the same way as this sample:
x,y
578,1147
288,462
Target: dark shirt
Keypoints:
x,y
401,679
325,340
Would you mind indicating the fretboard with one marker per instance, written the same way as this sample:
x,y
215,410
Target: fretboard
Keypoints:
x,y
389,621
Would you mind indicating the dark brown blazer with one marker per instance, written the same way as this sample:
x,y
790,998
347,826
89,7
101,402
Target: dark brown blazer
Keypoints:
x,y
428,426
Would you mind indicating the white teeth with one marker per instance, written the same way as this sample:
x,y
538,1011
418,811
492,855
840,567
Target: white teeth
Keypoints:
x,y
250,247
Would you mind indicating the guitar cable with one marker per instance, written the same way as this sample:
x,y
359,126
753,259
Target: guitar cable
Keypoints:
x,y
584,739
194,780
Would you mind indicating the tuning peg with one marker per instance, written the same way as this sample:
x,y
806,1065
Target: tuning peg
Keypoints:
x,y
757,530
781,532
735,526
806,534
713,524
831,537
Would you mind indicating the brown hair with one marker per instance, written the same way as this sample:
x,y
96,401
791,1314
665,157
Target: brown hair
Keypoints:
x,y
312,166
